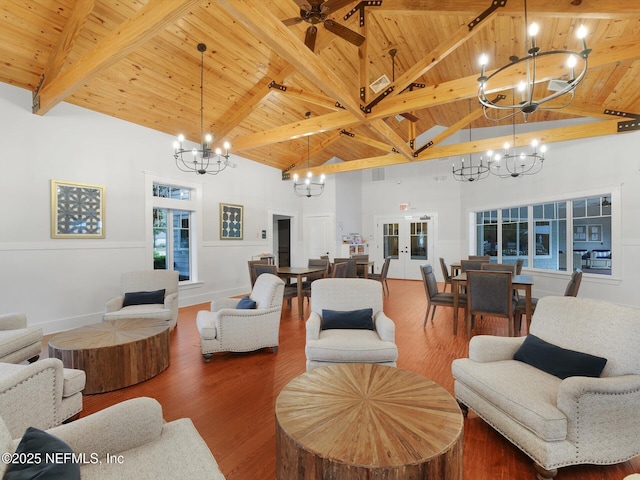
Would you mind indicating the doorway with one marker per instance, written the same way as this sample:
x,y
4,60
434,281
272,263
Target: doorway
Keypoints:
x,y
408,241
284,242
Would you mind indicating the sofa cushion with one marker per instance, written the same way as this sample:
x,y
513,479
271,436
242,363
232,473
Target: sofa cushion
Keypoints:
x,y
143,298
246,303
522,392
74,381
343,345
37,446
156,311
558,361
14,340
361,319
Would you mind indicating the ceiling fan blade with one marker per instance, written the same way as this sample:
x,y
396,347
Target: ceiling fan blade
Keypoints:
x,y
344,32
292,21
410,116
310,37
332,5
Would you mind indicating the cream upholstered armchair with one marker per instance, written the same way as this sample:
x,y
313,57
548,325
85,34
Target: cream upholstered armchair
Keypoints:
x,y
42,394
135,434
227,328
556,416
352,338
18,342
142,297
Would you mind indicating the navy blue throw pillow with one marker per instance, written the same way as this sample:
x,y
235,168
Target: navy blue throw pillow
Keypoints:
x,y
354,319
45,456
246,303
143,298
558,361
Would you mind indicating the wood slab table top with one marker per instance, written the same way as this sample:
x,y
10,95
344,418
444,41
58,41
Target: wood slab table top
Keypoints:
x,y
116,353
364,421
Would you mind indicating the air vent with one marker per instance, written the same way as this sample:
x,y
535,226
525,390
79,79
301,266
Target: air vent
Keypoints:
x,y
380,84
557,85
377,174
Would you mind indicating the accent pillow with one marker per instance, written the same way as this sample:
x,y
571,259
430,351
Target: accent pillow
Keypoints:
x,y
354,319
246,303
143,298
558,361
34,447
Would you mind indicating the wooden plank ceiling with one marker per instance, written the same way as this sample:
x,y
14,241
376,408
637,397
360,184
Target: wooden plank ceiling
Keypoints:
x,y
137,60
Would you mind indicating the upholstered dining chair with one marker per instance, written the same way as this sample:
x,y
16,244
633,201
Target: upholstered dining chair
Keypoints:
x,y
146,294
570,291
445,274
484,258
500,267
290,290
489,293
519,264
347,324
339,270
436,298
252,273
466,265
382,276
229,328
351,269
360,269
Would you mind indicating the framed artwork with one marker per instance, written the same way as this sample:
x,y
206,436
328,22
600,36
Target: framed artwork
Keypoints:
x,y
231,225
77,210
595,233
579,233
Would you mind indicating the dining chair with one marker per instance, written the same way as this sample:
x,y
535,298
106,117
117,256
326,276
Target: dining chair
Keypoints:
x,y
382,276
489,293
570,291
499,267
519,264
466,265
252,276
436,298
351,269
484,258
316,262
326,257
290,291
360,269
339,270
445,274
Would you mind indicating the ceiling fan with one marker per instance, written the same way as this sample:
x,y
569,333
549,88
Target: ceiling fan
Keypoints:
x,y
409,116
314,12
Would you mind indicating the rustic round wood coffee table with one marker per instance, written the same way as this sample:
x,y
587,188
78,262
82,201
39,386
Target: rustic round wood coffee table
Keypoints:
x,y
116,353
366,421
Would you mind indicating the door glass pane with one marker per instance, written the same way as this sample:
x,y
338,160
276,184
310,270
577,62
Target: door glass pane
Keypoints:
x,y
550,232
181,244
390,240
160,237
418,240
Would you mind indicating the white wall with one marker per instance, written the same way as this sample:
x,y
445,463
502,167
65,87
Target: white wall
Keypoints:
x,y
62,283
571,169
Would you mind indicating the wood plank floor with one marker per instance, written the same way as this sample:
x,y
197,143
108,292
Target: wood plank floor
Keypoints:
x,y
231,400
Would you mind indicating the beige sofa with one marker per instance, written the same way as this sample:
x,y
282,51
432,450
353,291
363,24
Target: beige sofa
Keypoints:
x,y
578,420
42,394
18,342
140,444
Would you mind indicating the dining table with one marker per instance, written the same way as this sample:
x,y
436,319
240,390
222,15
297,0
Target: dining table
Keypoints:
x,y
299,273
519,282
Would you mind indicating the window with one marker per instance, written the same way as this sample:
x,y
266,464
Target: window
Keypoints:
x,y
173,219
390,240
419,235
575,233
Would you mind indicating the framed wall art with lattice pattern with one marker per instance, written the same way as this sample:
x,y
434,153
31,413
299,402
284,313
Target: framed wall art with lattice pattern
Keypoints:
x,y
77,210
231,221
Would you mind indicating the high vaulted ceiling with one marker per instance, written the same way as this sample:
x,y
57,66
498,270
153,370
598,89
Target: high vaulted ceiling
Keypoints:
x,y
138,61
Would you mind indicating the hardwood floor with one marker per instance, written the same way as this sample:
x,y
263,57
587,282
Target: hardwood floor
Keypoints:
x,y
231,400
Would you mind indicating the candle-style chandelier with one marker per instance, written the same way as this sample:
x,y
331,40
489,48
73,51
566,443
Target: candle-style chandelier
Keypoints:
x,y
309,187
201,160
470,172
532,98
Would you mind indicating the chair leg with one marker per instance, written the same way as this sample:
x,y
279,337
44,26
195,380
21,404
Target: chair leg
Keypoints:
x,y
33,359
426,317
207,357
433,313
274,349
543,473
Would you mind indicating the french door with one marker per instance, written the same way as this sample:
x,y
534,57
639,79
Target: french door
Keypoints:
x,y
409,243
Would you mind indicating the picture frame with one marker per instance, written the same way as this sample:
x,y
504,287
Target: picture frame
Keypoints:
x,y
580,233
77,210
595,233
231,221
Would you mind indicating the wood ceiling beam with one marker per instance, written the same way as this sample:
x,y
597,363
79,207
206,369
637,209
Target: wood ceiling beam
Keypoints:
x,y
66,41
310,97
257,17
586,8
319,147
392,137
147,22
460,124
356,137
574,132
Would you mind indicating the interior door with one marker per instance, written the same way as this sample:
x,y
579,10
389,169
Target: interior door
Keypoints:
x,y
318,235
409,243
